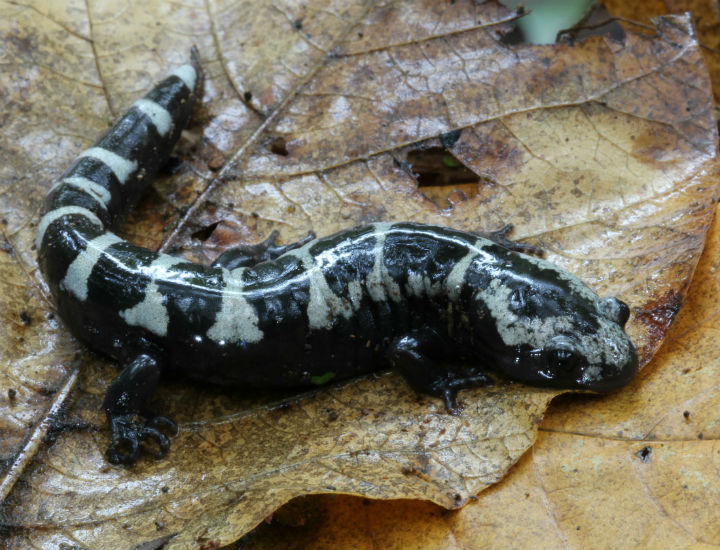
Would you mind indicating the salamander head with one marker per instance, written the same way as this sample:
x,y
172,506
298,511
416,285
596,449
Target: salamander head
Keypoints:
x,y
554,331
599,360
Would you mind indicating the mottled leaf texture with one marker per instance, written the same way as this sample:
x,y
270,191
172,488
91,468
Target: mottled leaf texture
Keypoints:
x,y
323,115
704,15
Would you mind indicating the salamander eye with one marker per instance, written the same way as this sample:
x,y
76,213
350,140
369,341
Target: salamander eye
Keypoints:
x,y
561,356
562,360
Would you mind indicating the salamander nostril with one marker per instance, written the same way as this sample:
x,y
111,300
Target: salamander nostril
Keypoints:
x,y
624,313
615,310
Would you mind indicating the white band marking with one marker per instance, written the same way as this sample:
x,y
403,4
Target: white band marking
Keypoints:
x,y
121,167
323,305
456,278
78,273
95,190
61,212
380,284
151,313
159,116
187,74
237,319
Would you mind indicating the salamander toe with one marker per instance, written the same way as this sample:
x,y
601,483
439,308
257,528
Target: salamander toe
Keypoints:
x,y
149,434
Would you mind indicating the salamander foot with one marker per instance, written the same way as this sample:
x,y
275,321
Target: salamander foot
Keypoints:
x,y
248,255
130,430
500,236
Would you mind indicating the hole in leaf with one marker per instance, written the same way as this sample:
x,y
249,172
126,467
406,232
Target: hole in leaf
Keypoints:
x,y
279,147
644,454
441,177
204,233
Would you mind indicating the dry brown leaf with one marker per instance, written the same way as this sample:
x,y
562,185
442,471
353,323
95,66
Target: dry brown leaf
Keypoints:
x,y
705,17
605,153
637,469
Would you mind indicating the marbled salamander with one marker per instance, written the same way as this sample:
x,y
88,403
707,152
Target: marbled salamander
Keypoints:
x,y
422,299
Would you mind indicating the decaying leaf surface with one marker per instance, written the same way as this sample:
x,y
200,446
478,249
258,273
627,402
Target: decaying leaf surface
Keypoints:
x,y
705,17
602,152
637,469
35,351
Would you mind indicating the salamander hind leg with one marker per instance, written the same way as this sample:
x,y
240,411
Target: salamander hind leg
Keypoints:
x,y
247,255
130,422
416,357
500,236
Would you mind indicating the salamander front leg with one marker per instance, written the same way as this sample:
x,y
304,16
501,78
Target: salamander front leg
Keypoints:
x,y
130,422
413,356
247,255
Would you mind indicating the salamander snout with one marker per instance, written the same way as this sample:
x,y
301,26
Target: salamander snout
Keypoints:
x,y
614,310
615,359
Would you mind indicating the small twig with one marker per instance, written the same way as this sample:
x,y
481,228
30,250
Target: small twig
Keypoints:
x,y
35,440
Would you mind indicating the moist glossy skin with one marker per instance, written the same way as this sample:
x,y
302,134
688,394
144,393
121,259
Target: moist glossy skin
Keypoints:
x,y
442,307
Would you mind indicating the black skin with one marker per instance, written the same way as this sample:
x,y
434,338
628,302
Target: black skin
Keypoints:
x,y
417,356
130,422
412,336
